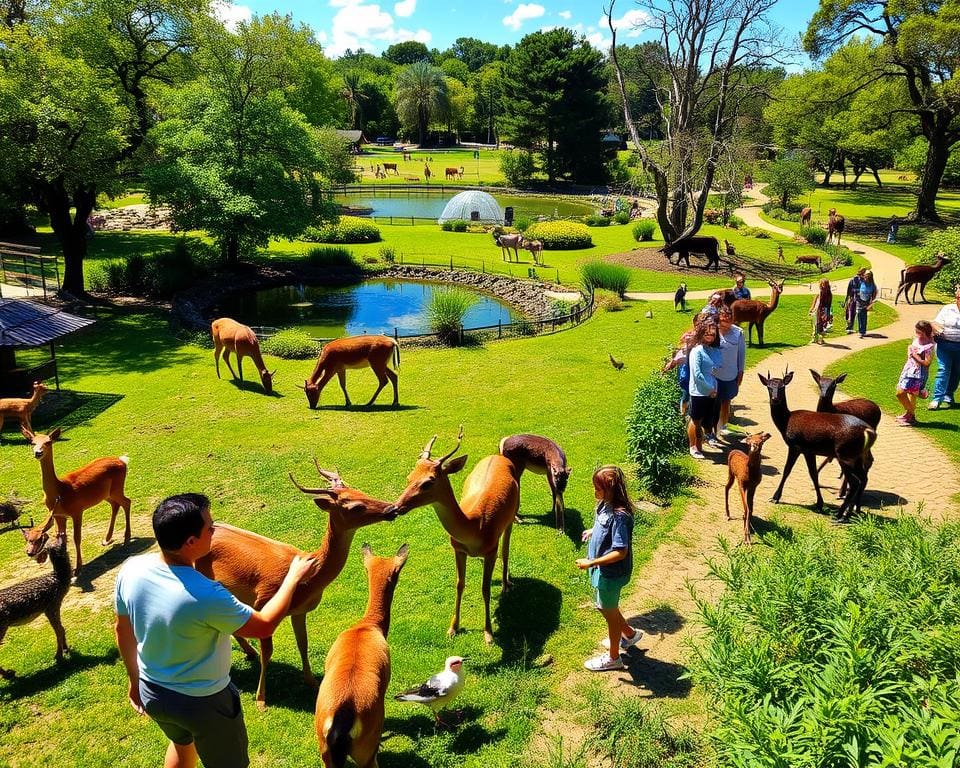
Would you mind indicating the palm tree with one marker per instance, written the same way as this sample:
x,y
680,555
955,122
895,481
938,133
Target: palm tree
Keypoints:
x,y
421,95
352,93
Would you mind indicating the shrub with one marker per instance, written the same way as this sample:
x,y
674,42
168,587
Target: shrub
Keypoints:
x,y
596,220
840,255
643,230
290,344
948,241
446,311
522,223
454,225
656,435
349,229
713,216
813,235
757,232
517,167
608,301
622,217
560,235
523,327
734,221
341,258
836,650
388,255
603,275
159,274
909,234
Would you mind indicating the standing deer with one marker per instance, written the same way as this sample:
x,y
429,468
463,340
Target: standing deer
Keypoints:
x,y
491,498
21,408
835,225
536,249
744,468
231,336
541,456
506,242
350,705
354,352
812,434
756,312
68,496
253,567
805,215
426,173
916,276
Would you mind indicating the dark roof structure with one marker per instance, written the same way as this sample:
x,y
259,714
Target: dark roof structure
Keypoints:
x,y
25,324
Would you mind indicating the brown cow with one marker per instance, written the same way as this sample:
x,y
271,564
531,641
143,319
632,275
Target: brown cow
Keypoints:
x,y
450,173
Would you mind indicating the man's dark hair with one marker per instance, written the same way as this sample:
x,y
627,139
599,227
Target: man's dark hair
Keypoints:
x,y
177,518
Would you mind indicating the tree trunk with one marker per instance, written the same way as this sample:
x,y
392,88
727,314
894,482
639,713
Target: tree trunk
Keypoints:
x,y
231,250
938,150
70,232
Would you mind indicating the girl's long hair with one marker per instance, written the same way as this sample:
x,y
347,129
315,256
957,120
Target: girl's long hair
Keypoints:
x,y
611,478
826,293
702,331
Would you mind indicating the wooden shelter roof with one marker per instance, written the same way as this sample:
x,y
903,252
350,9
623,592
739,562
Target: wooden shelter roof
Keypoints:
x,y
28,324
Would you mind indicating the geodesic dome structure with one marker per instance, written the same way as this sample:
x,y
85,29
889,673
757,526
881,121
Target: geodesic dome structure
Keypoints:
x,y
463,205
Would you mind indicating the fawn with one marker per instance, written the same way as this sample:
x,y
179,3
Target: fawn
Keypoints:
x,y
21,408
745,469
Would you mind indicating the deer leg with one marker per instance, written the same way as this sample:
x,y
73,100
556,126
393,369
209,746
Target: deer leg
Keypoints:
x,y
240,368
812,469
489,561
382,378
748,514
760,335
922,296
248,650
76,539
726,493
299,622
217,349
461,562
342,378
505,583
793,454
558,511
394,378
114,508
53,615
125,503
266,653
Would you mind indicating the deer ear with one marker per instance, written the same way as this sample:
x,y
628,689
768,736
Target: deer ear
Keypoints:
x,y
788,378
401,557
55,435
455,465
763,379
840,378
26,432
367,554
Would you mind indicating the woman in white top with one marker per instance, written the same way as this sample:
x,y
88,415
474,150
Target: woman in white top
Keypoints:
x,y
947,328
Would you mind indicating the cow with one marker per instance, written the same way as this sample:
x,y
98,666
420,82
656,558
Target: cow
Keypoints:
x,y
450,173
706,244
390,167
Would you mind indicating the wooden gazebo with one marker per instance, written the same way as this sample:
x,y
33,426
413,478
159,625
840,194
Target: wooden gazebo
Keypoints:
x,y
29,325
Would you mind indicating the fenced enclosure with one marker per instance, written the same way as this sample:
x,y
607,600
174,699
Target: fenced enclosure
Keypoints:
x,y
24,266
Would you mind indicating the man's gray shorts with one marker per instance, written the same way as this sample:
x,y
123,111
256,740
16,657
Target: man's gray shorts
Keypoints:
x,y
214,723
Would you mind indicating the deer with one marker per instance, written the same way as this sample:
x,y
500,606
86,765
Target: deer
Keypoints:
x,y
806,214
426,173
21,408
536,249
541,456
390,167
252,566
354,352
916,276
755,312
506,242
730,249
231,336
69,496
350,704
813,259
453,173
744,468
490,501
810,434
835,225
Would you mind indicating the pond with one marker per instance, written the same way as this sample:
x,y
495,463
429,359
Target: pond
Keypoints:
x,y
427,204
374,306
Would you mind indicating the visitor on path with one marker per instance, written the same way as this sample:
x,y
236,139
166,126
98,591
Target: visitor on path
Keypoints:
x,y
866,297
894,228
173,628
681,361
946,326
740,290
913,377
704,406
821,311
733,362
850,302
609,562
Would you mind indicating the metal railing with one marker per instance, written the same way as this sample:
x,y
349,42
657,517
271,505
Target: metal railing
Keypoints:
x,y
23,265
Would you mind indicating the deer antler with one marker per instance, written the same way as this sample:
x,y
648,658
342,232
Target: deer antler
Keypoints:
x,y
311,491
425,453
336,482
456,447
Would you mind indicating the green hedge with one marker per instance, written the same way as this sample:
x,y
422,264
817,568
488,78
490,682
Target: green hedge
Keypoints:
x,y
657,435
597,275
350,229
560,235
290,344
643,230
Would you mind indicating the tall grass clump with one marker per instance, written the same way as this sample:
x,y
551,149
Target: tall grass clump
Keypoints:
x,y
837,650
610,277
643,230
657,436
446,311
813,235
290,344
334,257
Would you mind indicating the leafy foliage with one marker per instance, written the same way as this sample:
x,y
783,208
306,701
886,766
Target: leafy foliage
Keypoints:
x,y
446,311
813,235
788,177
159,275
608,301
421,95
603,275
560,235
656,434
644,230
454,225
943,241
518,167
290,344
596,220
349,229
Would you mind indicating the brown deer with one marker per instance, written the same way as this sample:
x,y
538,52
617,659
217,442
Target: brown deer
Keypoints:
x,y
390,167
21,408
835,225
541,456
252,567
756,312
426,173
491,498
744,468
68,496
810,434
506,242
731,250
354,352
806,214
231,336
916,276
350,705
536,249
452,173
812,259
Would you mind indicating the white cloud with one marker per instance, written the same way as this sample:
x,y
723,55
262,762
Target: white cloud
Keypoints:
x,y
229,14
564,14
360,25
405,8
524,12
634,22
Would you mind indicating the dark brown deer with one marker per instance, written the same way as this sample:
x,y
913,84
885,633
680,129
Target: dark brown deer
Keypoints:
x,y
755,312
805,216
705,244
835,225
541,456
744,468
812,259
917,277
810,434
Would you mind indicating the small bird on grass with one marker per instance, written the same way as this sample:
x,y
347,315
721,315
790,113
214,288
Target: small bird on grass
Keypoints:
x,y
440,690
618,364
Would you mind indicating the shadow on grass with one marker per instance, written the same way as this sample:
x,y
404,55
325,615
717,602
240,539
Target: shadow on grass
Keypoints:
x,y
764,526
285,685
661,678
111,558
525,617
376,407
51,676
465,737
67,408
573,525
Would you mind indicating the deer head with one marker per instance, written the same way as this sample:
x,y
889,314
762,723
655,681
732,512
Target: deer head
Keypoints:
x,y
430,477
560,477
266,378
776,387
40,443
827,385
348,508
755,441
313,393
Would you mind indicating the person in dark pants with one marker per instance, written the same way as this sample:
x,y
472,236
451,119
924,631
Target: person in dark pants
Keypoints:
x,y
867,295
947,335
850,302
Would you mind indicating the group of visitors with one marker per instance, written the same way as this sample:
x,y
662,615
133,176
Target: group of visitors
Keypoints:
x,y
862,294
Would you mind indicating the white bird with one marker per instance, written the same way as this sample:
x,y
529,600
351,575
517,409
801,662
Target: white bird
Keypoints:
x,y
439,690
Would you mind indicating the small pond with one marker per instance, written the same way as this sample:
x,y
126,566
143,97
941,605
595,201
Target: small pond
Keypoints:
x,y
374,306
426,204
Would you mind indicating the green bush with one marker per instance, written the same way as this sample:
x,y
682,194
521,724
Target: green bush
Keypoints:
x,y
813,235
836,650
454,225
909,234
656,435
522,223
560,235
643,230
622,217
517,167
943,241
446,311
349,229
523,327
341,258
840,255
597,275
290,344
388,255
596,220
713,216
608,301
757,232
734,221
159,275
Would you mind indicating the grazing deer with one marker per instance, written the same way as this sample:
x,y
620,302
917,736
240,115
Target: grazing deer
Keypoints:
x,y
491,498
813,259
744,468
541,456
756,312
835,225
21,408
390,167
810,434
705,244
231,336
506,242
916,276
350,705
354,352
69,496
452,173
806,214
252,567
536,249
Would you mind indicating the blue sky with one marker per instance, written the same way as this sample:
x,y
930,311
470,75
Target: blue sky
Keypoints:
x,y
373,25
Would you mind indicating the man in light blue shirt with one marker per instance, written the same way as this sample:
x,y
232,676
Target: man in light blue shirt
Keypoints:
x,y
173,630
733,362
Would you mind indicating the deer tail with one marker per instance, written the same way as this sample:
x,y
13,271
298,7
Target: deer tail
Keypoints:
x,y
396,354
339,735
125,459
869,438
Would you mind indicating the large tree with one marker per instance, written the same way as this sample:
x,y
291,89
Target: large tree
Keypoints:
x,y
921,46
710,50
407,52
553,97
421,97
